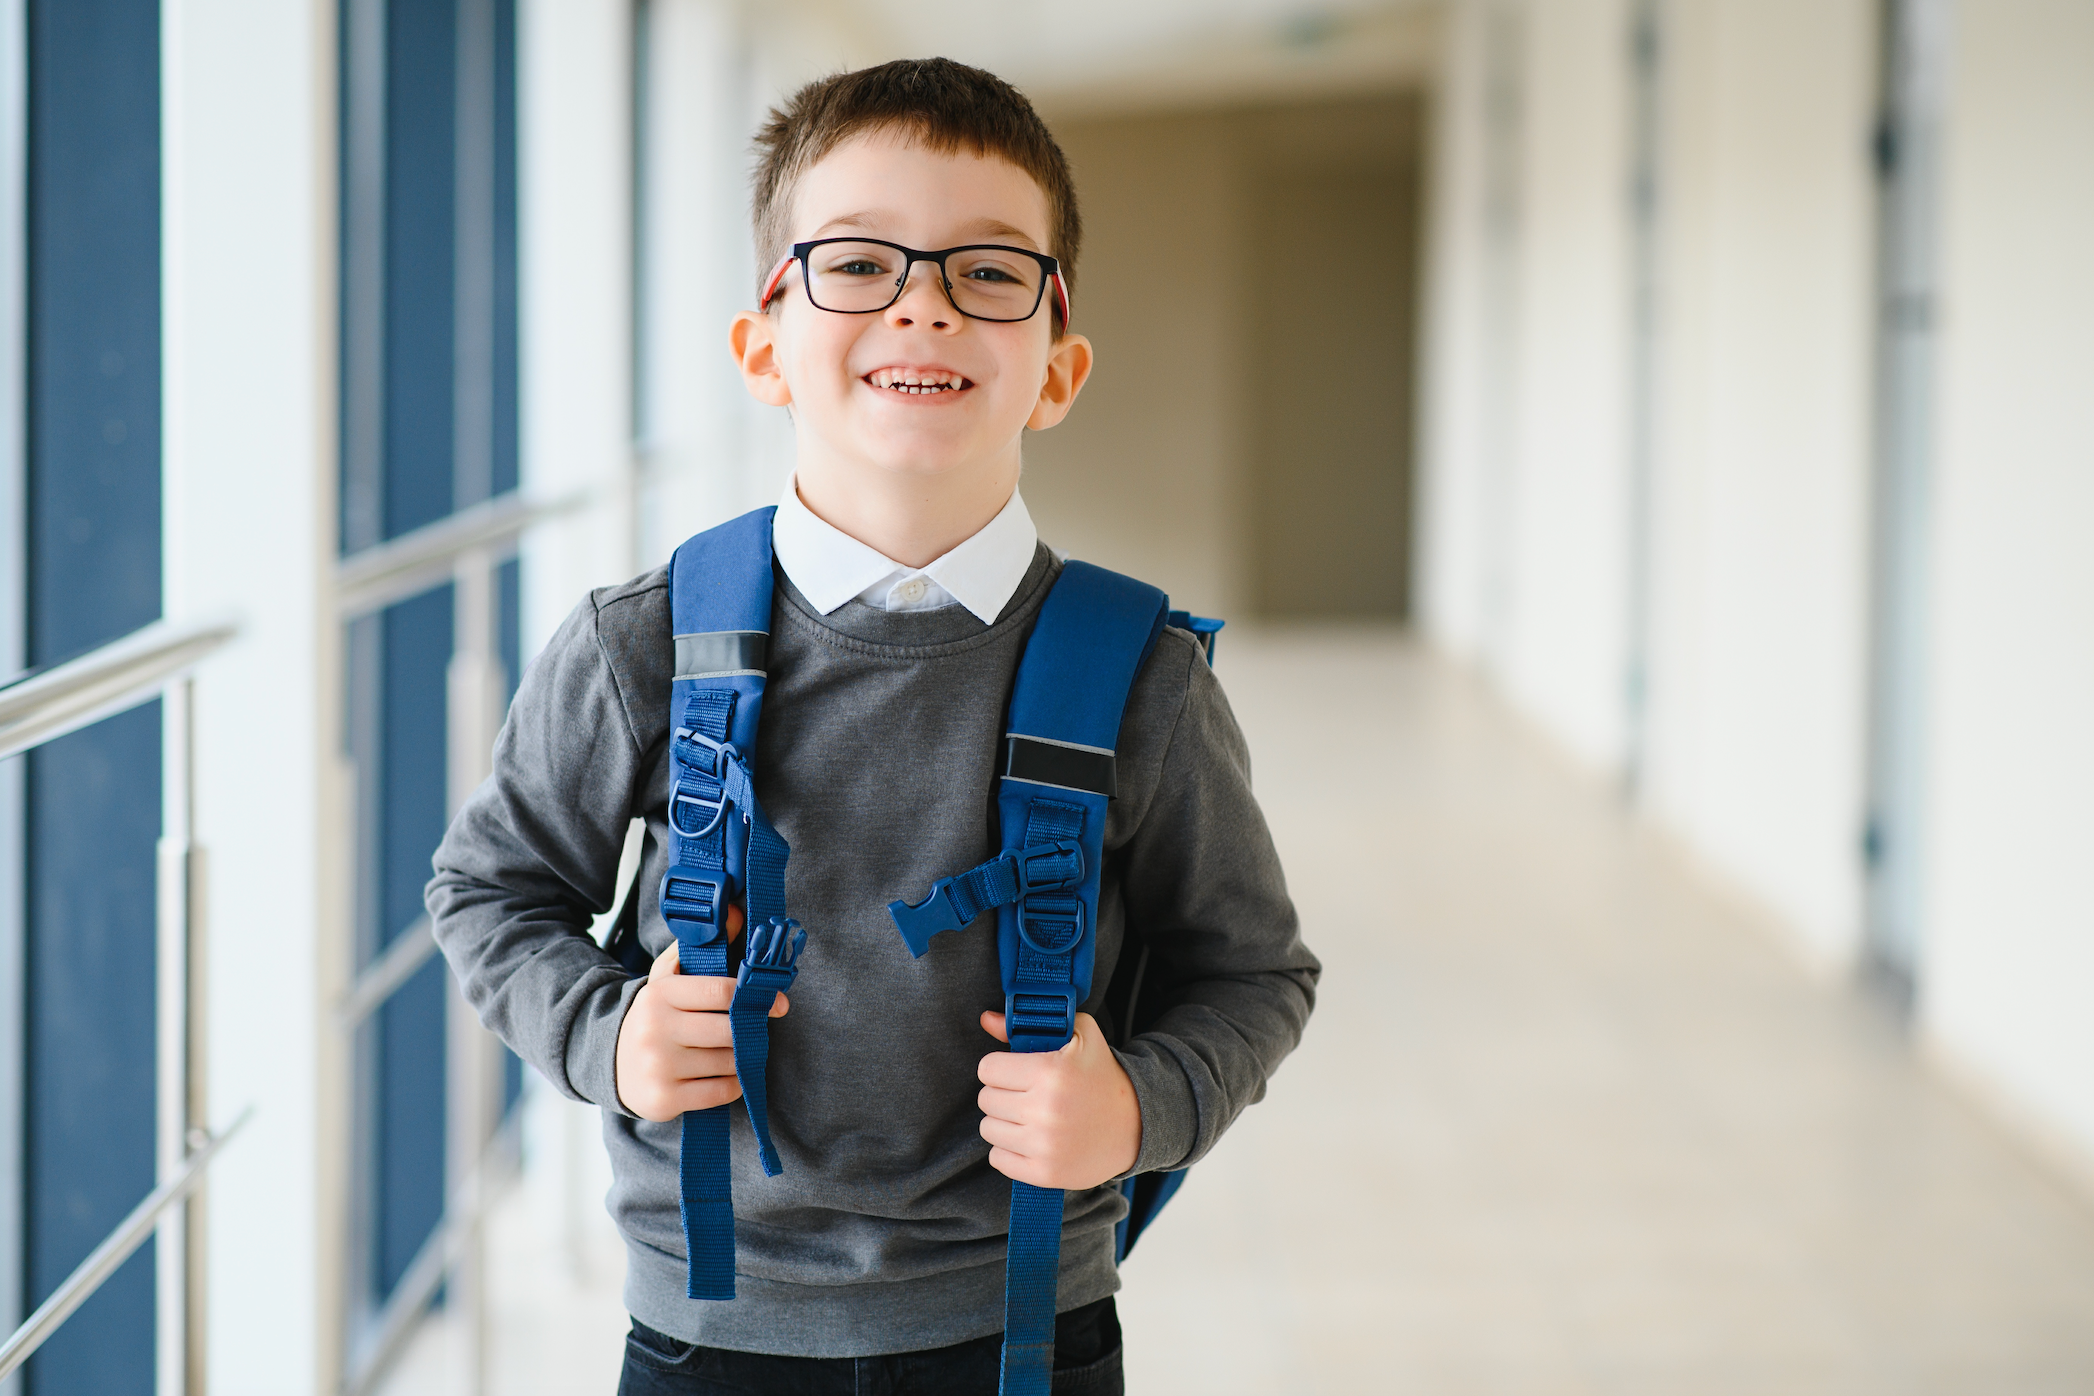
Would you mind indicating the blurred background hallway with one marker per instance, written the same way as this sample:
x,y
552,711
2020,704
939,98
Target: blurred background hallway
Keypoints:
x,y
1643,450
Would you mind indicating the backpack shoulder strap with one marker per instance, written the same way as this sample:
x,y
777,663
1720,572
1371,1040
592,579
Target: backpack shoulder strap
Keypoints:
x,y
724,849
1094,633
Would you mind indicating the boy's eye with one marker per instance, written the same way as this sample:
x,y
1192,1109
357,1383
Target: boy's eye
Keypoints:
x,y
994,269
857,266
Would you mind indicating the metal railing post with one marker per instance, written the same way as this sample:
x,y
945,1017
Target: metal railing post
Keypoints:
x,y
178,1254
476,690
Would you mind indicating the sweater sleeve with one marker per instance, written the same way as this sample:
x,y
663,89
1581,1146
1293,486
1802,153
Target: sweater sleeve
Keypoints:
x,y
1229,985
532,857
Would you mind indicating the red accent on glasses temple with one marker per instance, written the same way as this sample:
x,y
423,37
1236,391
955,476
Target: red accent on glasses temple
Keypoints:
x,y
1061,291
770,285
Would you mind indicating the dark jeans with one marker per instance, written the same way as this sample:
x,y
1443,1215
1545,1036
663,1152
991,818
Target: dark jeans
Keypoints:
x,y
1086,1363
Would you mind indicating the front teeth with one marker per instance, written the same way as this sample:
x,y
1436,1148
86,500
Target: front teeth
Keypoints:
x,y
915,383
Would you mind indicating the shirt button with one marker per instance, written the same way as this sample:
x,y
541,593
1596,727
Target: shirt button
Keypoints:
x,y
912,590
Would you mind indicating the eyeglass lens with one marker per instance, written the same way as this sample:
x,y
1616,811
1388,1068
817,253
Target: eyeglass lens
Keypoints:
x,y
986,283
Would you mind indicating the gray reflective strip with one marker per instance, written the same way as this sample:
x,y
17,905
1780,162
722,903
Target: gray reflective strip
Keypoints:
x,y
722,653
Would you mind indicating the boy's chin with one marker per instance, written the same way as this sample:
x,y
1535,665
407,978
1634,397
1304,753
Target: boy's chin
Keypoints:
x,y
928,464
929,454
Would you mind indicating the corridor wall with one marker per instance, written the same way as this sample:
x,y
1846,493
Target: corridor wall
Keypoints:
x,y
2009,910
1745,736
1759,584
1751,743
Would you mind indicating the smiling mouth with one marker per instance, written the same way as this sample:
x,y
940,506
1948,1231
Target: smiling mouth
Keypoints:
x,y
916,382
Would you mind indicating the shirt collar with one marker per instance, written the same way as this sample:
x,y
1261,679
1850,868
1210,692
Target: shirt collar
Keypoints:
x,y
830,567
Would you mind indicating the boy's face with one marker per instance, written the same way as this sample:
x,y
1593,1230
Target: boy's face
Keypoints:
x,y
836,369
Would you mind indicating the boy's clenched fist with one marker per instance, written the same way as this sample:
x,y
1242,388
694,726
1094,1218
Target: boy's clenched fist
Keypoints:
x,y
675,1048
1064,1119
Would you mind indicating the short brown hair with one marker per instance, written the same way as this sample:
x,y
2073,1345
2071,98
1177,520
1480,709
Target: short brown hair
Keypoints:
x,y
943,105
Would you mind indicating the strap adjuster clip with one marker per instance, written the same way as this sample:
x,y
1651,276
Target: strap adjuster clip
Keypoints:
x,y
691,898
717,754
1038,1020
1026,866
772,958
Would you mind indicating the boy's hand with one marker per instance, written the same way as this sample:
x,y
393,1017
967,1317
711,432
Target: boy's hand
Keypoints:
x,y
675,1049
1065,1119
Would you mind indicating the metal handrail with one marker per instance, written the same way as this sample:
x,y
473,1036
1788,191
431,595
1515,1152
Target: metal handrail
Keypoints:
x,y
375,577
409,951
52,702
116,1248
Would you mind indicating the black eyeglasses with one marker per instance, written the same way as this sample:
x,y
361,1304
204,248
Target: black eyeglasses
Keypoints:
x,y
984,281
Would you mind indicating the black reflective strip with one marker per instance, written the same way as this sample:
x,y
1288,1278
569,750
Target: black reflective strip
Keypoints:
x,y
721,652
1072,768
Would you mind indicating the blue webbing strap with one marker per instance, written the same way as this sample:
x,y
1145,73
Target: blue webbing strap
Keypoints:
x,y
723,847
768,969
1030,1281
694,906
1039,1016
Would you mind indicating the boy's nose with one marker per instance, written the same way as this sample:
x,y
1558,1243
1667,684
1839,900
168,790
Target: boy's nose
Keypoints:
x,y
910,308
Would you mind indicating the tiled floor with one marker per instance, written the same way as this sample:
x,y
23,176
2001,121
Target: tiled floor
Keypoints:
x,y
1567,1120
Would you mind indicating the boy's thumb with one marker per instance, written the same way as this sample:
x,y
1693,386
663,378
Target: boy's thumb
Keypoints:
x,y
992,1024
665,963
1086,1029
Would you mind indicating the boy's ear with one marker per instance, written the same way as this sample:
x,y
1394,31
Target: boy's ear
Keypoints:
x,y
1068,364
750,338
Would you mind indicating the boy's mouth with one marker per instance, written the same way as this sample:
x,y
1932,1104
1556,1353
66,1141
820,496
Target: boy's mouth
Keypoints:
x,y
917,382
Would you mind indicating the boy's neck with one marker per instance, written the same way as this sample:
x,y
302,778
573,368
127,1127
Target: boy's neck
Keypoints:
x,y
913,519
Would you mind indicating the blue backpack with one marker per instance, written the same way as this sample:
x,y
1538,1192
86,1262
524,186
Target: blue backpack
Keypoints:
x,y
1093,634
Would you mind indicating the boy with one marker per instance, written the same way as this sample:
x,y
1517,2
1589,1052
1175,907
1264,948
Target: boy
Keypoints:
x,y
908,576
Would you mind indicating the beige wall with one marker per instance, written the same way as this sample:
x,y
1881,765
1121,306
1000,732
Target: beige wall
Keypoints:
x,y
1158,471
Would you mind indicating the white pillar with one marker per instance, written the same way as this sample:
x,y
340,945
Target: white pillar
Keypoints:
x,y
707,450
250,530
574,125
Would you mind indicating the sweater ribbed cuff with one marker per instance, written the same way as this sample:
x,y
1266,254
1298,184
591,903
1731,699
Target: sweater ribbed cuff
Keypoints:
x,y
592,1047
1170,1119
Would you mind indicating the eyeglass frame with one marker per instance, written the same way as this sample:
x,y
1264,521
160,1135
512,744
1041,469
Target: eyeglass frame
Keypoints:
x,y
800,250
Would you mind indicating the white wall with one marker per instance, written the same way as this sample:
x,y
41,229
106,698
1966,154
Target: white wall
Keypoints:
x,y
2008,987
1760,596
1524,448
574,237
1762,389
708,450
1560,650
249,332
1463,382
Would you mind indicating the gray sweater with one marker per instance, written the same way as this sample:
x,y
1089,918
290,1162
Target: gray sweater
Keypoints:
x,y
875,760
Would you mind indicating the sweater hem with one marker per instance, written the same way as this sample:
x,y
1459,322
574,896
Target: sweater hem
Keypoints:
x,y
873,1318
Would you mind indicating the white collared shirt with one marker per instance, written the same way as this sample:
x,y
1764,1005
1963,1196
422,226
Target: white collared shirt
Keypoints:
x,y
830,567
